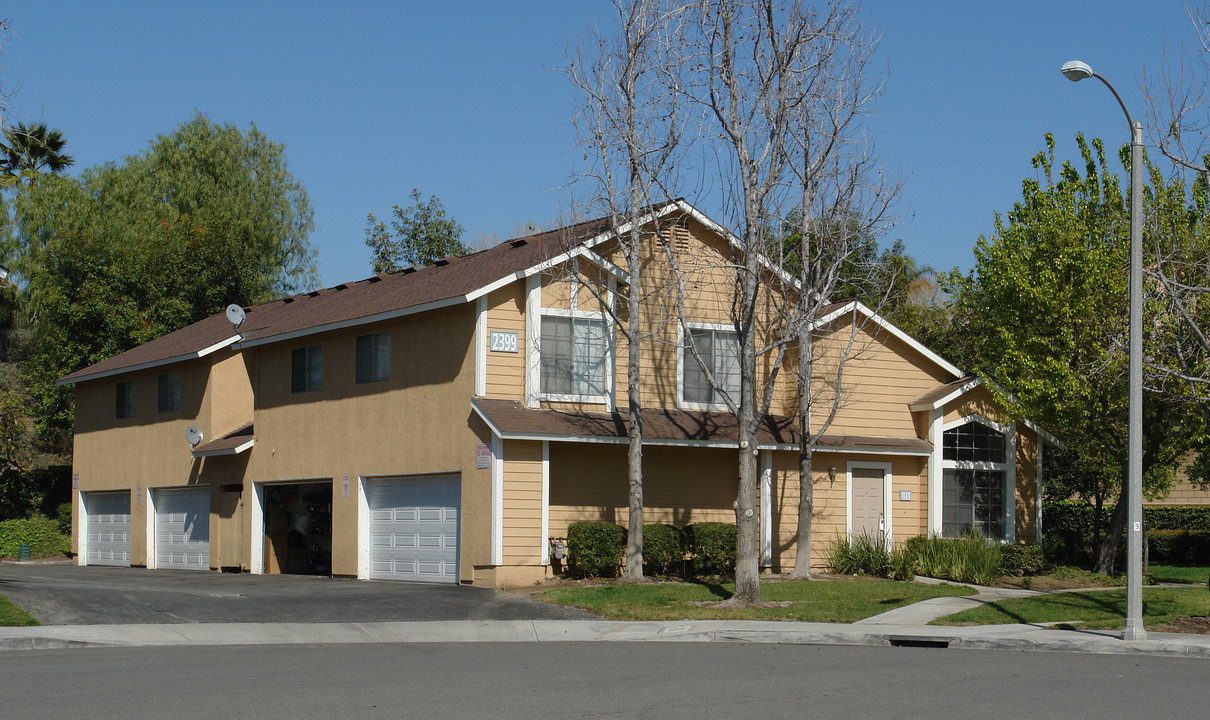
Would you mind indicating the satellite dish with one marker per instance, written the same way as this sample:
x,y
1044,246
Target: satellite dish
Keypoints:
x,y
193,434
235,314
531,229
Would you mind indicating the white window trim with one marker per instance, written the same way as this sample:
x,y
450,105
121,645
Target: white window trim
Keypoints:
x,y
766,508
683,357
1008,467
887,482
481,346
533,376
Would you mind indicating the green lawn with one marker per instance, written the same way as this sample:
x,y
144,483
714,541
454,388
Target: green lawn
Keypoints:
x,y
1098,609
841,600
1196,574
11,615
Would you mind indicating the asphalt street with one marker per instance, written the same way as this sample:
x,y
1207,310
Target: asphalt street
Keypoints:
x,y
591,680
63,594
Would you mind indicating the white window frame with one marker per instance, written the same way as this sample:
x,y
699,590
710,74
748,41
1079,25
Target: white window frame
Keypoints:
x,y
683,356
534,318
1008,467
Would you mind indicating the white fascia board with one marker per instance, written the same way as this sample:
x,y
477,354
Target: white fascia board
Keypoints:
x,y
872,451
954,395
734,241
154,363
580,250
354,322
886,325
227,451
1042,433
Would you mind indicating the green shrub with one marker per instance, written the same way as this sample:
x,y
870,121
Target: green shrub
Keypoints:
x,y
903,563
711,546
971,559
1179,546
63,516
1022,559
41,534
594,549
861,555
663,549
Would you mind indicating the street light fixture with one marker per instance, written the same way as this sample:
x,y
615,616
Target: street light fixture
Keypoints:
x,y
1075,71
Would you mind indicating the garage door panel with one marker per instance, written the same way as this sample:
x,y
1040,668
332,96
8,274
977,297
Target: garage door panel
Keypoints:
x,y
108,531
420,518
182,528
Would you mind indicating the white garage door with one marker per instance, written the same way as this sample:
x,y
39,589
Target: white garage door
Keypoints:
x,y
182,528
414,528
107,539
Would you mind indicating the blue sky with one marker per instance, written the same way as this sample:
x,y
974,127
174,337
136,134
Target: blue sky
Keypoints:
x,y
462,99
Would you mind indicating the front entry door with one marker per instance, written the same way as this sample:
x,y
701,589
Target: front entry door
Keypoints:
x,y
868,501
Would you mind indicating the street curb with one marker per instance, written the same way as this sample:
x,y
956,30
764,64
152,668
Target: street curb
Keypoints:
x,y
1018,638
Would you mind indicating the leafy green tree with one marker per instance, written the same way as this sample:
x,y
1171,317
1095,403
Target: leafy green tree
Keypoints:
x,y
207,216
29,150
1044,315
418,235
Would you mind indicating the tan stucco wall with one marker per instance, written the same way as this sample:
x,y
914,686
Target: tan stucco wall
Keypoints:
x,y
149,450
1027,486
418,421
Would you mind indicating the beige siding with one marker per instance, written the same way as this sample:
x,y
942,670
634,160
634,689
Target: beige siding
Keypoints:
x,y
680,485
880,377
829,519
506,371
976,402
1027,486
1183,491
522,500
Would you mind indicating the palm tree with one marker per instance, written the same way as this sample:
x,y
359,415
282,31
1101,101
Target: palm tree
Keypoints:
x,y
27,151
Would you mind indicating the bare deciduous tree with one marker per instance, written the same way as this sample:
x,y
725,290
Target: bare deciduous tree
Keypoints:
x,y
628,123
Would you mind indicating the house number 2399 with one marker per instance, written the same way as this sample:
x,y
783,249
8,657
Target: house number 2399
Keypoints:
x,y
504,341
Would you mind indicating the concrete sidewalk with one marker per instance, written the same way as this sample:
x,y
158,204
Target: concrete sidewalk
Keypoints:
x,y
1028,638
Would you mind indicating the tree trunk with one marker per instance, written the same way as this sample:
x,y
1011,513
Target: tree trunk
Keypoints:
x,y
634,458
1107,555
806,482
747,509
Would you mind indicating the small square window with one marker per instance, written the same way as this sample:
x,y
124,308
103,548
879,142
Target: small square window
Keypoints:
x,y
124,399
306,368
373,362
168,392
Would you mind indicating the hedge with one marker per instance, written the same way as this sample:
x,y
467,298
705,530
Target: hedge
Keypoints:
x,y
1067,518
1178,546
712,547
40,533
595,548
663,550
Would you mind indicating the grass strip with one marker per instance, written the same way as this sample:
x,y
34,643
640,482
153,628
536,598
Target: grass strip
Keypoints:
x,y
1096,610
1194,574
13,616
839,600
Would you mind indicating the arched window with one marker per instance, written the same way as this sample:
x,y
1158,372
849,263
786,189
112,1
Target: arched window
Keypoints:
x,y
975,464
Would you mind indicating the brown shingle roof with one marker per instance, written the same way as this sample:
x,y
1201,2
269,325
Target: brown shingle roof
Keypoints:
x,y
942,391
512,419
450,279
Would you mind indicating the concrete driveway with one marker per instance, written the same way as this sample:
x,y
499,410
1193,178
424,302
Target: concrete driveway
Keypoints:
x,y
64,594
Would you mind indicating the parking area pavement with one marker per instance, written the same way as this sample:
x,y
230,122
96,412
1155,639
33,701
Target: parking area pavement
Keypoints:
x,y
64,594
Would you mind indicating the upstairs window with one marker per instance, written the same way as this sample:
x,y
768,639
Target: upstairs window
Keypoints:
x,y
373,357
719,351
124,400
168,392
306,368
573,357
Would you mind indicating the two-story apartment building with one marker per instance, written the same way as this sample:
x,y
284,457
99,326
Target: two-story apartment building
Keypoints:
x,y
442,423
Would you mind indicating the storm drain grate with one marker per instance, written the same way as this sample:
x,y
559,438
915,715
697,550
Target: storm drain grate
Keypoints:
x,y
917,641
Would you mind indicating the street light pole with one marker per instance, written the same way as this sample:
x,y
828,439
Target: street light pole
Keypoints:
x,y
1075,71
